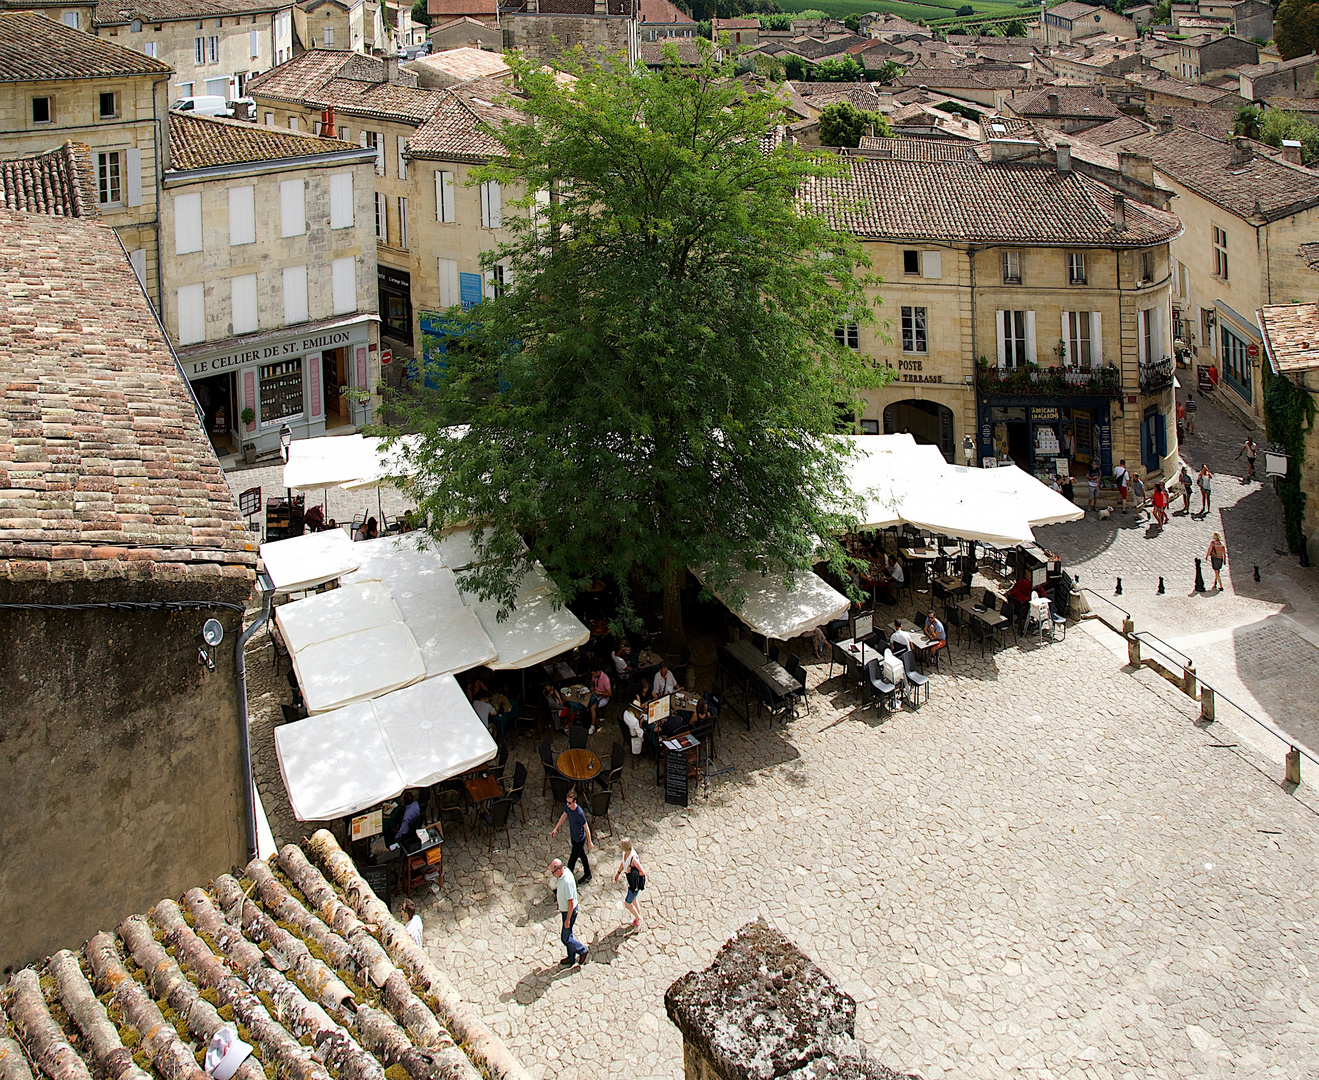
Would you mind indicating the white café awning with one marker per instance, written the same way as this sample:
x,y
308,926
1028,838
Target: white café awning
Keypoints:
x,y
1038,502
357,756
303,562
777,612
325,461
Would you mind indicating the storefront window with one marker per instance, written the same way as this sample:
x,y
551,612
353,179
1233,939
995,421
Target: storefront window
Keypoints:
x,y
281,391
1236,364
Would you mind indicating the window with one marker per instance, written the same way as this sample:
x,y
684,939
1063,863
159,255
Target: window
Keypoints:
x,y
444,196
373,140
913,330
1012,268
108,190
1016,338
187,223
1076,268
213,49
449,294
911,262
292,208
932,265
43,111
329,37
242,215
149,48
192,313
343,277
848,335
1184,277
254,43
1236,363
293,123
1079,338
218,87
492,216
270,119
382,218
185,89
1146,267
135,27
1220,253
107,106
402,222
281,390
242,293
198,52
341,201
496,280
295,294
70,19
402,160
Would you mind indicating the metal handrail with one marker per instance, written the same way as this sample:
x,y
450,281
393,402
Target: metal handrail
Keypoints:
x,y
1272,729
1171,652
1090,592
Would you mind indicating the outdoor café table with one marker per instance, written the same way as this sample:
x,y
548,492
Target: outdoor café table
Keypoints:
x,y
576,695
920,644
578,764
992,619
772,676
482,788
951,584
853,654
649,658
929,554
684,702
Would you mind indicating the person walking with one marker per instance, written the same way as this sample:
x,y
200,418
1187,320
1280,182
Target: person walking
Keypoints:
x,y
1205,481
1123,478
565,890
1250,450
1160,499
1217,555
1190,413
579,831
1184,478
1138,492
631,869
1092,478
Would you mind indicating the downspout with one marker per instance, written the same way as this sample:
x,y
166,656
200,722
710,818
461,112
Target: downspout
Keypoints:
x,y
245,744
162,163
975,359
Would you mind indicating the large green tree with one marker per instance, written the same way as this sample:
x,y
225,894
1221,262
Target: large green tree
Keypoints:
x,y
1296,27
649,388
843,124
1281,124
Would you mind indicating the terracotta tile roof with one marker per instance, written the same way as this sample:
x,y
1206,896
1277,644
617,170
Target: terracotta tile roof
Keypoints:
x,y
120,12
1115,130
463,63
982,202
297,79
902,149
735,24
653,52
1188,91
1262,187
453,131
1072,102
863,97
450,8
34,47
1309,253
966,78
296,954
1007,127
1213,122
1291,336
59,182
1073,10
1270,67
662,11
104,467
204,142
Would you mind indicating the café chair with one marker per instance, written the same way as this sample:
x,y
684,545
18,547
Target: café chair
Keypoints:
x,y
518,784
600,799
291,713
884,692
798,672
560,785
577,736
496,816
617,755
915,680
549,764
451,811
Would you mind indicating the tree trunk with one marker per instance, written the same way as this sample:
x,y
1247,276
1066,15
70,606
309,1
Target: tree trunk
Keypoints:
x,y
673,639
168,983
45,1040
459,1017
170,1058
109,1055
13,1062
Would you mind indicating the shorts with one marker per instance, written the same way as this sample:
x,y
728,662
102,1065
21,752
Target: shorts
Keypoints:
x,y
1122,491
631,896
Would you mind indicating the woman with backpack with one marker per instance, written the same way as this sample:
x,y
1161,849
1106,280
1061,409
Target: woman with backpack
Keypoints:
x,y
636,879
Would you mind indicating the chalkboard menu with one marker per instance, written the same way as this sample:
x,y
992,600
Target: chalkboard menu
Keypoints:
x,y
378,877
675,777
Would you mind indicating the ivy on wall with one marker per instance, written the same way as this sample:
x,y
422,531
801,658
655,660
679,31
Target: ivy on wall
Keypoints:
x,y
1289,413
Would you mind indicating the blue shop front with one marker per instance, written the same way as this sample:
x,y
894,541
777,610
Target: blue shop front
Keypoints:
x,y
1046,437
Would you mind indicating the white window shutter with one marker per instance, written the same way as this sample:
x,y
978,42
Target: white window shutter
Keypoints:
x,y
295,295
191,301
187,223
362,136
138,260
1002,339
242,215
539,208
380,154
448,282
402,161
488,281
1096,338
496,206
341,200
931,264
450,212
1156,333
485,206
343,274
243,307
1030,337
1141,317
1067,338
133,169
292,207
382,216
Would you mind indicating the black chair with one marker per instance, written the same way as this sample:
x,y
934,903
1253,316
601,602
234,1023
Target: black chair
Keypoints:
x,y
617,755
291,713
496,816
278,650
885,692
519,783
451,811
795,669
955,618
981,633
600,799
577,736
560,785
547,760
990,601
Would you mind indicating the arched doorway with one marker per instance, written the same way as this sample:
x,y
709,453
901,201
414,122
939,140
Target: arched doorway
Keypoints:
x,y
927,421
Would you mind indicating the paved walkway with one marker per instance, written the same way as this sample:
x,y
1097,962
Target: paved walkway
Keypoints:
x,y
1255,641
343,506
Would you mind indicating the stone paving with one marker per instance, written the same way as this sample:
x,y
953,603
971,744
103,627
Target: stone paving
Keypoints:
x,y
1255,641
343,506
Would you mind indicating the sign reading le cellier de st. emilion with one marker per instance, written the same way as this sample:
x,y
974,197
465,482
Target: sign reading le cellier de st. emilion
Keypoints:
x,y
287,348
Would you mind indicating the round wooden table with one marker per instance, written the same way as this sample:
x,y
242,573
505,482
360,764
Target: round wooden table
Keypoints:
x,y
579,765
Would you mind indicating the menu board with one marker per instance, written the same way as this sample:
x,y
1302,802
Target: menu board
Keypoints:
x,y
659,708
675,777
368,824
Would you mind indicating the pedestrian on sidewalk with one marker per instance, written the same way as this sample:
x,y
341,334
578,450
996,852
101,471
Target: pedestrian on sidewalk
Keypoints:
x,y
566,892
1160,505
1184,478
579,831
1092,478
1123,478
1250,451
1181,420
631,868
1138,491
1206,483
1190,413
1217,555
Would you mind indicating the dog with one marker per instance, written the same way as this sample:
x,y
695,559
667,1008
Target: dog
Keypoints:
x,y
1105,514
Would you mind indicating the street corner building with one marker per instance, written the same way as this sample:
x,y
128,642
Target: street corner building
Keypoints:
x,y
1026,303
122,738
291,967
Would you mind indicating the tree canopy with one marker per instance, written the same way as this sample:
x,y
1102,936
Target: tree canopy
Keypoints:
x,y
421,13
843,124
1280,124
649,388
1296,27
838,69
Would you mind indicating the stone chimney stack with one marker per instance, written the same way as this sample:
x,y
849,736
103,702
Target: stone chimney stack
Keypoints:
x,y
1241,150
1291,151
1119,211
1137,168
1064,157
1165,123
391,67
1053,104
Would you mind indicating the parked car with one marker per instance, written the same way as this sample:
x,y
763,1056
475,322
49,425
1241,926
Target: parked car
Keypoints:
x,y
204,105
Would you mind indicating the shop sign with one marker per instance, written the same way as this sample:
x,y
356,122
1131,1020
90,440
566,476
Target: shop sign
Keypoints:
x,y
1043,414
912,371
394,279
296,347
469,290
1105,438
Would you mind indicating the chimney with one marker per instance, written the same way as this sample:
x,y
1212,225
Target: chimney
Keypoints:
x,y
1165,123
1137,168
391,68
1064,157
1053,104
327,123
1291,151
922,93
1119,211
1241,150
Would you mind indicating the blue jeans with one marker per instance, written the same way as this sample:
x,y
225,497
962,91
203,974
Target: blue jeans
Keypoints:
x,y
570,943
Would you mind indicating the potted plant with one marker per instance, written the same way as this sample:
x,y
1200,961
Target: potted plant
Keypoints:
x,y
249,447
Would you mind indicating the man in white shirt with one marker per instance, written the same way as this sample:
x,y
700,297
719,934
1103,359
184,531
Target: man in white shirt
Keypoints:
x,y
620,656
664,682
482,707
413,924
900,640
566,893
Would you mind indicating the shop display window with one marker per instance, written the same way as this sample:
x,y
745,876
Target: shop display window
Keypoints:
x,y
281,391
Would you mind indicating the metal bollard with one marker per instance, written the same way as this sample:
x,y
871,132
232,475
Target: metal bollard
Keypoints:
x,y
1161,590
1293,766
1133,642
1206,703
1189,681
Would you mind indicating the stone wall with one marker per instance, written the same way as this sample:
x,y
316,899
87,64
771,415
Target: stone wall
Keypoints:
x,y
120,766
547,36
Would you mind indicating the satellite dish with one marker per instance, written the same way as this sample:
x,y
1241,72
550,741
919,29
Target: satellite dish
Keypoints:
x,y
212,632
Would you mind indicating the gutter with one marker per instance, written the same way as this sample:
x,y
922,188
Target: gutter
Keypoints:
x,y
353,156
245,743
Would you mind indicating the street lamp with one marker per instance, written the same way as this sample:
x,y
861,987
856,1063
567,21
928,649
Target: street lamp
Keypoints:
x,y
285,438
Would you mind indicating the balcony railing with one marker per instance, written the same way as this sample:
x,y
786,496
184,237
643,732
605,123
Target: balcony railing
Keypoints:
x,y
1051,381
1156,375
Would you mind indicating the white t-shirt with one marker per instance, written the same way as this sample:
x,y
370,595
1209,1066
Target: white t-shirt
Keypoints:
x,y
484,710
1120,475
633,722
664,684
896,572
900,638
620,665
414,928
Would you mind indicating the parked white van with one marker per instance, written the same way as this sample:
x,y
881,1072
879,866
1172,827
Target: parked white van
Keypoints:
x,y
206,105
